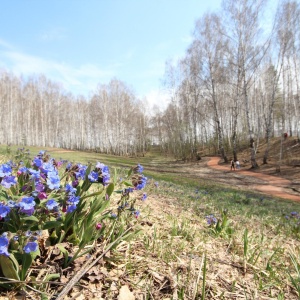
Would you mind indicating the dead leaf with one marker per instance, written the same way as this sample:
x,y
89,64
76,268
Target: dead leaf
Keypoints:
x,y
157,276
125,293
113,287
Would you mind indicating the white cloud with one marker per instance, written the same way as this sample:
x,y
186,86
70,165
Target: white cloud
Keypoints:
x,y
158,98
79,80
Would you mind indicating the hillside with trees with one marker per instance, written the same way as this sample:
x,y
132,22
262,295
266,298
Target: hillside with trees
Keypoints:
x,y
238,83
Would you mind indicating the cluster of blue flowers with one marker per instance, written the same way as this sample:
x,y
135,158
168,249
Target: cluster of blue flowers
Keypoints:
x,y
139,181
30,246
100,174
42,199
37,189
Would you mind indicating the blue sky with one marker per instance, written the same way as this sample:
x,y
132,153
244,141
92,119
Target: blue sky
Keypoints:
x,y
81,43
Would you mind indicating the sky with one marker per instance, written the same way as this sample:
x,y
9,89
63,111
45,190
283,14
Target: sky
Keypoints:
x,y
83,43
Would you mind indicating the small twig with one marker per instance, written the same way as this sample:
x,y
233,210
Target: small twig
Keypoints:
x,y
86,267
9,280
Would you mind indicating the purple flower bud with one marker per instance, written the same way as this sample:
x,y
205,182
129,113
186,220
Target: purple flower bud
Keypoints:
x,y
98,226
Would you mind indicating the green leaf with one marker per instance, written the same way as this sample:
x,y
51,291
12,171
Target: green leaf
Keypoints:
x,y
63,251
13,190
16,264
31,218
51,224
129,172
44,297
127,183
8,268
110,189
26,263
50,277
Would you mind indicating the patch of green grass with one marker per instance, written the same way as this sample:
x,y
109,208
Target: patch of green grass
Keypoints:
x,y
179,255
203,195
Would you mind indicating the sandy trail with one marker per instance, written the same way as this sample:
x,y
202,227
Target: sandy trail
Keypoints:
x,y
271,185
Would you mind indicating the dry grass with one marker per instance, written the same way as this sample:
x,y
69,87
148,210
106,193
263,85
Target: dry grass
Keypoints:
x,y
178,256
167,260
177,242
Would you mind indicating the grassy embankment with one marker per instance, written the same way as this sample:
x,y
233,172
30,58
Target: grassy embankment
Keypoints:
x,y
251,253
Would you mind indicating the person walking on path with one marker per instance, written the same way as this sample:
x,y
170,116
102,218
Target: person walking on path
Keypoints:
x,y
232,165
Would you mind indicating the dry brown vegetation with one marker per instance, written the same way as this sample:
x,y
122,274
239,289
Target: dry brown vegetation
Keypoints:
x,y
177,255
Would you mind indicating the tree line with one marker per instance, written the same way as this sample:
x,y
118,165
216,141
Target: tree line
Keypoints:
x,y
238,82
38,112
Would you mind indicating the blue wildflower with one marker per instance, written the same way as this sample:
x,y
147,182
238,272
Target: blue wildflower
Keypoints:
x,y
4,210
70,189
102,167
103,171
47,167
211,219
22,170
37,162
68,166
105,178
80,174
144,197
12,204
113,215
73,199
71,208
93,176
30,247
5,170
128,190
27,205
51,204
53,181
138,169
39,187
4,246
136,213
8,181
140,182
35,174
11,163
28,233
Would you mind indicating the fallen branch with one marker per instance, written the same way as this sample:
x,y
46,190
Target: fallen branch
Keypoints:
x,y
88,266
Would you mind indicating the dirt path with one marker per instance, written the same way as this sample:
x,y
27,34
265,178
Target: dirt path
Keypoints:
x,y
271,185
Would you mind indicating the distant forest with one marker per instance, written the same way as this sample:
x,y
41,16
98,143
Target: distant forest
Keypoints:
x,y
238,82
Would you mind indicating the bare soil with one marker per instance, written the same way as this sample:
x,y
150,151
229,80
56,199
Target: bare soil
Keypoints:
x,y
278,178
